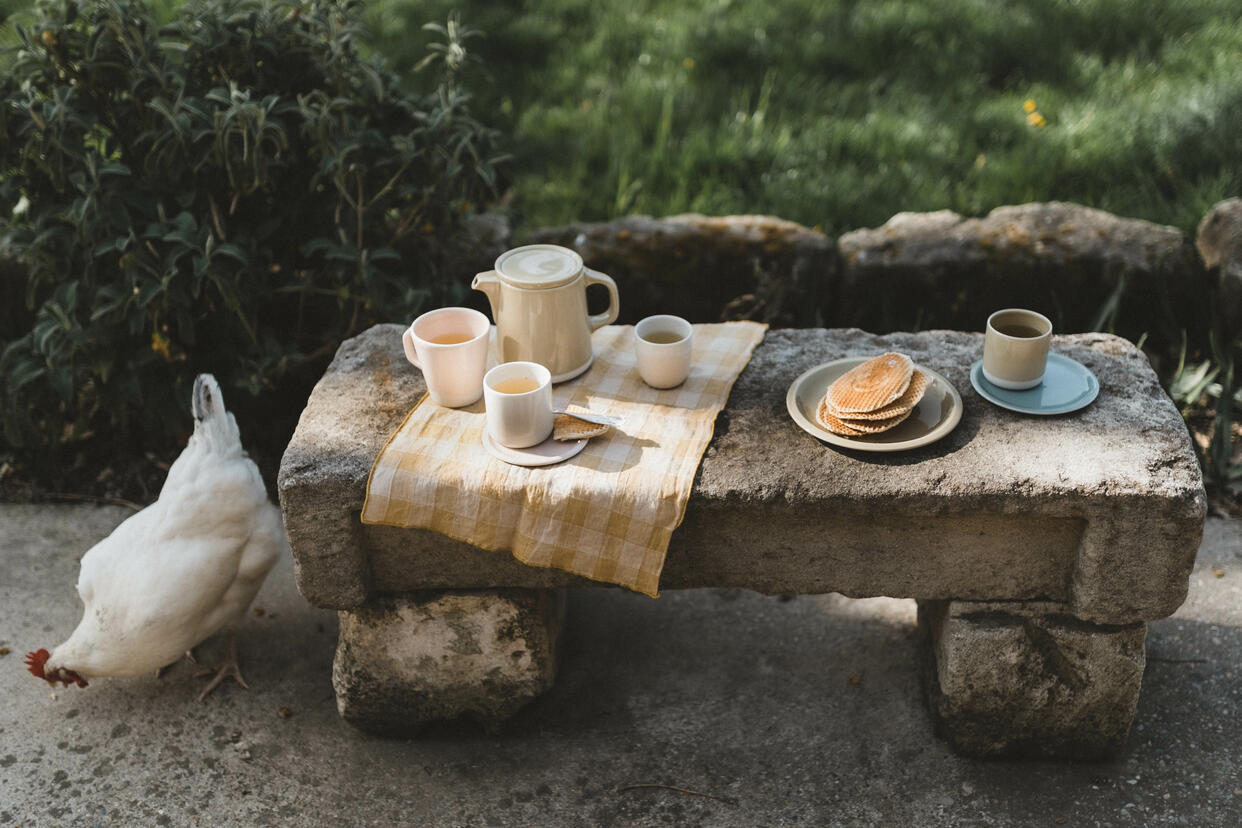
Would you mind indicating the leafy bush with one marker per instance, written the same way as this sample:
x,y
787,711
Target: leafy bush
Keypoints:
x,y
233,192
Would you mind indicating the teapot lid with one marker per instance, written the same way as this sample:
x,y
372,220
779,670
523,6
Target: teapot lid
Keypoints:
x,y
539,266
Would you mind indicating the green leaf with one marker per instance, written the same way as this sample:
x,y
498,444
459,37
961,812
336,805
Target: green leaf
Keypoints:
x,y
232,251
22,372
384,254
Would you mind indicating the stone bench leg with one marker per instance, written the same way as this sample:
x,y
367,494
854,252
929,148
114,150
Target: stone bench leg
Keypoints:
x,y
1004,682
438,655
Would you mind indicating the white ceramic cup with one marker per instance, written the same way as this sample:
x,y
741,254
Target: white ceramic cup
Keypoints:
x,y
449,346
1015,348
663,350
523,418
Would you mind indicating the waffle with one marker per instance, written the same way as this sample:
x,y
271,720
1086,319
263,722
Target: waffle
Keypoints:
x,y
902,405
856,428
872,385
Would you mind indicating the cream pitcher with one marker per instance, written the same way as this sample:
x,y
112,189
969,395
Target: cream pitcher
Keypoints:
x,y
538,298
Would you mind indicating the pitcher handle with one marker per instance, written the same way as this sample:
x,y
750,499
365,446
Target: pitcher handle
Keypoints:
x,y
599,320
407,341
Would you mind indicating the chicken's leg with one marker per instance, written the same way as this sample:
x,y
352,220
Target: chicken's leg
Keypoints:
x,y
228,668
189,655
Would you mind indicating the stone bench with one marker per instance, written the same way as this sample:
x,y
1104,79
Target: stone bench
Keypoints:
x,y
1036,547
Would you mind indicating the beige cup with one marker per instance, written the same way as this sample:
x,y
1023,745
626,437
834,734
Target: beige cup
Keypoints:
x,y
1015,348
518,397
449,346
663,350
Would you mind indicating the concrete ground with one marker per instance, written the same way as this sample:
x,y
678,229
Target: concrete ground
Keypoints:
x,y
772,712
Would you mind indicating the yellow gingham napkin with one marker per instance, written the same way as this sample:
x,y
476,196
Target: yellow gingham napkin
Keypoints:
x,y
607,513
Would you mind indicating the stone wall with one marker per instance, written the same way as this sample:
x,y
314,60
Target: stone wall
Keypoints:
x,y
1085,268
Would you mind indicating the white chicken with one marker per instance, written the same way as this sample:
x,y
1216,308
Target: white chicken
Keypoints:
x,y
182,569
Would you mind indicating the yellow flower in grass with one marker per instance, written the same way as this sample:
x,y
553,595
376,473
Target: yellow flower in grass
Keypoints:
x,y
160,344
1028,106
1037,120
688,63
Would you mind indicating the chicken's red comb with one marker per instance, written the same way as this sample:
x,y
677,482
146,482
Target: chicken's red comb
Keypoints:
x,y
35,662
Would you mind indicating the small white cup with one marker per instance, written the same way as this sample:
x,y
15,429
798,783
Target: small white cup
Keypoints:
x,y
1015,348
663,350
449,346
518,397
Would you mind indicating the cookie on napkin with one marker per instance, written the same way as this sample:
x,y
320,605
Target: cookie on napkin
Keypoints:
x,y
569,427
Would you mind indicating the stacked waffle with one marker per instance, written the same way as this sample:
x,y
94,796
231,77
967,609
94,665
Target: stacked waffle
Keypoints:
x,y
873,397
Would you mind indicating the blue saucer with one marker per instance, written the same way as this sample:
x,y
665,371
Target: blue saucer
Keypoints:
x,y
1068,386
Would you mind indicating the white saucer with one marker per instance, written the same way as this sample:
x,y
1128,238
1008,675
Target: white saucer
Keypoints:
x,y
543,454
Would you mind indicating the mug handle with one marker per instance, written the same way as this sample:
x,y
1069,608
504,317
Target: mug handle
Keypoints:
x,y
599,320
407,341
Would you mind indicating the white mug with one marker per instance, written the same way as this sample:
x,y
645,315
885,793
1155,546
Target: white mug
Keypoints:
x,y
518,397
663,350
449,346
1015,348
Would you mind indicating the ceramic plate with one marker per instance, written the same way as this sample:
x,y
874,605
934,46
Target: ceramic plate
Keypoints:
x,y
544,454
935,416
1068,386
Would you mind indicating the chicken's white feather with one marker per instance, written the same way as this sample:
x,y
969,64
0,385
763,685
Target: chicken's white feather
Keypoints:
x,y
185,567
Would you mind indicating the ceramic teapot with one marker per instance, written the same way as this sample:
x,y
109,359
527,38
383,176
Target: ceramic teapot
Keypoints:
x,y
538,299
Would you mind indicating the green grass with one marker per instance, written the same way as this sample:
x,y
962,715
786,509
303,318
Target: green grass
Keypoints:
x,y
840,114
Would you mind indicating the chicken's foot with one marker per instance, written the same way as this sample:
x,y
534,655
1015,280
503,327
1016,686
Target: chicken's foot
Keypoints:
x,y
228,669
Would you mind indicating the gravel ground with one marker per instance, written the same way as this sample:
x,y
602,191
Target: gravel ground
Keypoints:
x,y
762,711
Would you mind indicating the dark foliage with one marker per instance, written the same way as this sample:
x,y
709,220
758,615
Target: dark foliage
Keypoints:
x,y
233,192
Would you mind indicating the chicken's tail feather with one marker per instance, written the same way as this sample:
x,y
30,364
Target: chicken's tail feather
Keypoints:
x,y
210,416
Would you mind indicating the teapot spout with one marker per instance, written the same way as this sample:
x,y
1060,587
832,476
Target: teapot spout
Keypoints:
x,y
487,282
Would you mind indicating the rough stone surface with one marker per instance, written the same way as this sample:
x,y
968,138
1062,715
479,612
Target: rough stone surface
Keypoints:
x,y
1027,684
1098,511
1065,260
805,711
708,268
1220,244
437,656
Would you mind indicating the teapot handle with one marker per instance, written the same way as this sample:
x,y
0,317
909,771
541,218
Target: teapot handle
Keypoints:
x,y
599,320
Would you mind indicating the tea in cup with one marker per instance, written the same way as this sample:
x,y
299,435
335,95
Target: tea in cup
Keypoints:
x,y
1015,348
663,350
518,398
449,346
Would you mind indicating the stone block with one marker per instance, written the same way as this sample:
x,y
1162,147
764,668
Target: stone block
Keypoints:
x,y
709,268
1219,241
1068,261
1009,681
1100,511
439,656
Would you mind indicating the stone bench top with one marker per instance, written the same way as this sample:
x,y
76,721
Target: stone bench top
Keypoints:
x,y
1098,512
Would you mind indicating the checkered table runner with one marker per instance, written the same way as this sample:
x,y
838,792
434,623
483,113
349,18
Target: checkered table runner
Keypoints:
x,y
607,513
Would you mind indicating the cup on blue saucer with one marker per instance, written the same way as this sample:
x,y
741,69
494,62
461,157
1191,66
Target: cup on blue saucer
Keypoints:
x,y
1017,371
